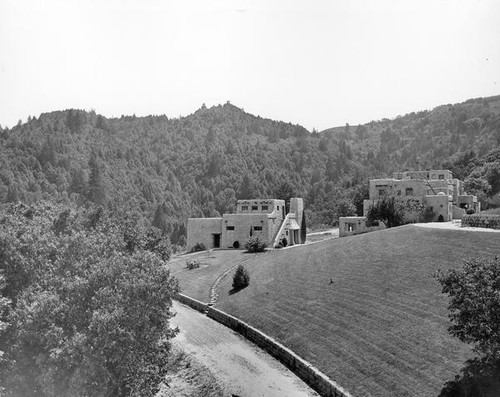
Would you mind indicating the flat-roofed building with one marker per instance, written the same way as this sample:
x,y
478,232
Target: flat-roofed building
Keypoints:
x,y
263,218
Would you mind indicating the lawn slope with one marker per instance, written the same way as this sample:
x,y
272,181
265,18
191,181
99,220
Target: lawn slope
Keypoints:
x,y
197,283
380,329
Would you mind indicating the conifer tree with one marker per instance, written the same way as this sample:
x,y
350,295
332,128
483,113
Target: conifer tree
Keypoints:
x,y
97,189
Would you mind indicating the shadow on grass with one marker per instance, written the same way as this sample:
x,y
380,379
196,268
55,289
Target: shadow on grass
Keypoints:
x,y
236,290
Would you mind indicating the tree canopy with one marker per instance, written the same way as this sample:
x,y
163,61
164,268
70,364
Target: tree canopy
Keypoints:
x,y
88,304
197,165
474,310
395,211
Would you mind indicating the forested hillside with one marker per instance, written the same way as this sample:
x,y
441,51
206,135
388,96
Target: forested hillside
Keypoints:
x,y
165,169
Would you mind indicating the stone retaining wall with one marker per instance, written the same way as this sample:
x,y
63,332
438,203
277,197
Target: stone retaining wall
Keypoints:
x,y
191,302
312,376
481,220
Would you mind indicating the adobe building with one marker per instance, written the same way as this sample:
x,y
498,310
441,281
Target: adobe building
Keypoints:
x,y
437,189
265,218
350,225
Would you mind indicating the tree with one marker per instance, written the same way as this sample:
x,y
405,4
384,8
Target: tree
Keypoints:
x,y
97,187
94,318
246,190
255,244
78,182
241,278
474,310
393,211
476,185
285,191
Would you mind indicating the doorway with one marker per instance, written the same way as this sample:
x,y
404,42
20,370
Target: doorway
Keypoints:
x,y
216,240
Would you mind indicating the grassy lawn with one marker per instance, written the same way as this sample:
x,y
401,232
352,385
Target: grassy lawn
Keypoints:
x,y
380,328
196,283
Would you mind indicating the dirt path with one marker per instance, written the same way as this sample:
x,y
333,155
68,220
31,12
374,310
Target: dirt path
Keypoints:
x,y
240,367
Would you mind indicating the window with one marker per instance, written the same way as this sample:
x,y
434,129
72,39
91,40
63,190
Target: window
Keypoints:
x,y
229,227
255,207
257,228
409,191
431,209
265,208
441,176
244,207
381,192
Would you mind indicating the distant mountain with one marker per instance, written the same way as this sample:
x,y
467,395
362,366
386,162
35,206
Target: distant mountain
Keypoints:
x,y
168,169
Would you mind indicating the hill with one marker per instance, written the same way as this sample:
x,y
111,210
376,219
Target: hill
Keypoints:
x,y
165,170
380,328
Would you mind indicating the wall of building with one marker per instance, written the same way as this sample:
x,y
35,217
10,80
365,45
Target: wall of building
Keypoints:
x,y
469,202
242,224
272,207
441,206
297,207
457,212
400,188
351,225
201,230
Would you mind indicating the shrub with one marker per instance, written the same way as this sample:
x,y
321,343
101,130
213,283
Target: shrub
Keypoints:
x,y
470,211
199,247
236,244
241,278
428,215
254,244
192,264
284,242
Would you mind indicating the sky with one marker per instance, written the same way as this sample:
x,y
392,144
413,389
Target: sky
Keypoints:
x,y
317,63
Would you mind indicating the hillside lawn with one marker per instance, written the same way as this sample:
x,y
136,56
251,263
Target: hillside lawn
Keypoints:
x,y
196,283
380,329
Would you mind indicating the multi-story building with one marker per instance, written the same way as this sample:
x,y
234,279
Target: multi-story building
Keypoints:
x,y
265,218
437,189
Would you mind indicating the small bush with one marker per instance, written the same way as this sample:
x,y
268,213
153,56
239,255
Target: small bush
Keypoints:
x,y
241,278
470,211
428,215
284,242
192,264
254,244
236,244
199,247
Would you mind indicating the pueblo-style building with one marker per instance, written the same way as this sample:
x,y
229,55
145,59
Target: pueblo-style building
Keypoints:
x,y
263,218
443,196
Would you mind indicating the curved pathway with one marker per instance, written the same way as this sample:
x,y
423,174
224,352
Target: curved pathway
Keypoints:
x,y
214,290
244,369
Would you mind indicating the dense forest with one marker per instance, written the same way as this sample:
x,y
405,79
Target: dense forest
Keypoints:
x,y
165,170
